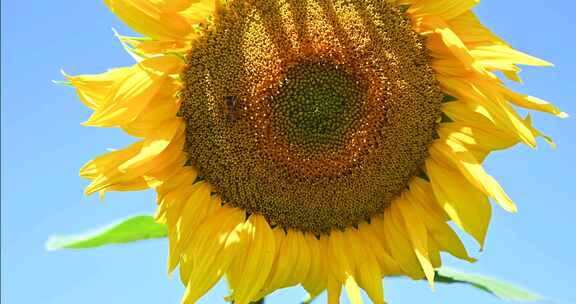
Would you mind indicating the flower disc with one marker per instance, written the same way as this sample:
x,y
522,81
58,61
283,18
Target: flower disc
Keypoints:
x,y
313,114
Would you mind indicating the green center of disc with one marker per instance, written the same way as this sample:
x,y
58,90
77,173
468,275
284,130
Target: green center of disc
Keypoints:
x,y
316,105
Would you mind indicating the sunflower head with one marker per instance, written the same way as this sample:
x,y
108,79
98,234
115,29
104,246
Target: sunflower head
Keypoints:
x,y
317,128
312,142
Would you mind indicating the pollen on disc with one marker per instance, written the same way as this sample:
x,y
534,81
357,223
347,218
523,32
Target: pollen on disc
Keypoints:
x,y
315,113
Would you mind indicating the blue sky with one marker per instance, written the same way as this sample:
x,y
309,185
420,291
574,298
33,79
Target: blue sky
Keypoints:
x,y
43,146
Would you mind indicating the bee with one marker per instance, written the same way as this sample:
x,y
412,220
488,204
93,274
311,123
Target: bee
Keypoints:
x,y
231,108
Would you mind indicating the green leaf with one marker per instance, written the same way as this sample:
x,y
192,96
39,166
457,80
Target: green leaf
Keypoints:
x,y
502,290
132,229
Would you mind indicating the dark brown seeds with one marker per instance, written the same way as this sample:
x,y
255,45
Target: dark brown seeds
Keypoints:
x,y
315,114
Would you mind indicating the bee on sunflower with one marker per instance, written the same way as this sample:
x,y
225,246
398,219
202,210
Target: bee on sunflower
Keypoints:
x,y
326,143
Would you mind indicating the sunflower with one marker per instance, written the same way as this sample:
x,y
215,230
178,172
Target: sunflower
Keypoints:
x,y
321,143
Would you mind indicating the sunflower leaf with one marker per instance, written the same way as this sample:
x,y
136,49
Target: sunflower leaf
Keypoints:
x,y
128,230
502,290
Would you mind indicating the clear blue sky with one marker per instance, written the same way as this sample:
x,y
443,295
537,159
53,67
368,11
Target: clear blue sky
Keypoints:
x,y
43,146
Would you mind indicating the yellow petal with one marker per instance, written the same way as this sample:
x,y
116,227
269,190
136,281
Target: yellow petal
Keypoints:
x,y
122,170
253,267
434,253
160,111
185,176
400,247
342,265
108,161
147,47
132,185
481,138
168,201
342,269
282,266
152,147
478,128
193,213
478,141
495,54
292,261
93,89
467,206
483,95
531,102
315,281
460,111
333,285
301,265
368,231
457,154
451,41
489,50
445,9
153,18
334,290
103,170
171,204
417,234
448,66
421,191
339,260
426,208
177,5
353,290
131,94
199,11
537,133
366,265
472,31
213,251
279,238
